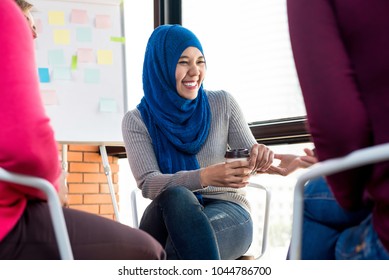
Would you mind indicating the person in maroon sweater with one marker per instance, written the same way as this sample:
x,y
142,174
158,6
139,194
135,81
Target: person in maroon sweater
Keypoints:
x,y
28,146
341,54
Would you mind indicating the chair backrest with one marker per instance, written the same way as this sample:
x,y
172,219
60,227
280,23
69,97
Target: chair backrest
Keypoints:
x,y
353,160
54,204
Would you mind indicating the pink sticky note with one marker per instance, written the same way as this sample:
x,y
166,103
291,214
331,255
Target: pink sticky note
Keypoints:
x,y
85,56
79,16
38,25
49,97
103,21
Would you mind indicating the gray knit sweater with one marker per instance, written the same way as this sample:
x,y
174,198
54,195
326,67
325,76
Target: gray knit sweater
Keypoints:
x,y
228,128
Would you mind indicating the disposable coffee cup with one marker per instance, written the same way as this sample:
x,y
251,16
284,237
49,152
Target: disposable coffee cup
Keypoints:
x,y
237,154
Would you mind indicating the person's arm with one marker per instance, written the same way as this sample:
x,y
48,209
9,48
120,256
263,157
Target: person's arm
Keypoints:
x,y
240,136
27,144
143,163
337,118
290,162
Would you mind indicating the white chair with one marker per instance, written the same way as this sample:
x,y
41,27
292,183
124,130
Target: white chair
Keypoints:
x,y
137,210
353,160
54,204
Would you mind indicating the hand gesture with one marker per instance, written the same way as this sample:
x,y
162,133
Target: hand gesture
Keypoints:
x,y
289,163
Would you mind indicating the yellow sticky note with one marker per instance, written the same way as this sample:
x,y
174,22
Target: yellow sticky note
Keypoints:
x,y
62,37
56,18
104,57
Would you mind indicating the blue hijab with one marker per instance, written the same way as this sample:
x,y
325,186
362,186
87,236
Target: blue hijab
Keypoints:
x,y
178,127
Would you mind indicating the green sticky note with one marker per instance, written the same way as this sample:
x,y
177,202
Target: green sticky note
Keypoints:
x,y
74,62
92,76
118,39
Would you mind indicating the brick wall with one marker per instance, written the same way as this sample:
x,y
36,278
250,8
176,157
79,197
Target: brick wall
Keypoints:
x,y
87,182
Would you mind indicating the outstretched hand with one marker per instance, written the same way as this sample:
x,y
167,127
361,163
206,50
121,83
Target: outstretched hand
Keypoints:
x,y
290,163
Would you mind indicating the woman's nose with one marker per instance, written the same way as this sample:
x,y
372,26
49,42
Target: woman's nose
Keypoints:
x,y
194,70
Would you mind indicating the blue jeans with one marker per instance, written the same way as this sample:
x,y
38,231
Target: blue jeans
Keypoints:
x,y
330,232
215,229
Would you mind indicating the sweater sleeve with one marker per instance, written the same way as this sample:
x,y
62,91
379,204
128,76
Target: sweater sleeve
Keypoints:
x,y
27,144
143,163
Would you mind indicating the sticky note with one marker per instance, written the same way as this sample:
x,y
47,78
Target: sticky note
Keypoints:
x,y
56,57
85,55
56,18
49,97
79,16
92,76
62,37
84,34
107,105
74,62
38,25
62,73
118,39
103,21
104,57
44,76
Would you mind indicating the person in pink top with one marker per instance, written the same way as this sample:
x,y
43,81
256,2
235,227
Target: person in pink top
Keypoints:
x,y
27,146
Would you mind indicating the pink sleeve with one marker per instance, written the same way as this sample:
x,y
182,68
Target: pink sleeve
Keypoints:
x,y
27,143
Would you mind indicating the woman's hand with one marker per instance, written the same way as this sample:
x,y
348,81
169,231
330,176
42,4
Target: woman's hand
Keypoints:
x,y
261,158
234,174
289,163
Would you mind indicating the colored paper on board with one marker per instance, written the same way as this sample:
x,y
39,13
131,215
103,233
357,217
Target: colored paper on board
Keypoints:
x,y
108,105
49,97
56,57
84,34
92,76
44,75
85,56
62,73
118,39
38,25
74,62
56,18
79,16
103,21
62,37
104,57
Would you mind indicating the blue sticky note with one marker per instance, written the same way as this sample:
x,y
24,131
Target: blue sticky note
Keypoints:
x,y
56,57
62,73
92,76
84,34
108,105
44,76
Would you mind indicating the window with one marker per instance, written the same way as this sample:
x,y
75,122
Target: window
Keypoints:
x,y
246,44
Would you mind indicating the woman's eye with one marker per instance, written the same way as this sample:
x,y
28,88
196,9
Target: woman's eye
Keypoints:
x,y
183,62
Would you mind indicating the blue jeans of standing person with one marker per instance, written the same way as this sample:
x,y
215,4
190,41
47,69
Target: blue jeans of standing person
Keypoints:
x,y
330,232
210,230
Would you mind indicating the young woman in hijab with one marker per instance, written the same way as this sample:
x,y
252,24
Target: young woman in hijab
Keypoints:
x,y
176,140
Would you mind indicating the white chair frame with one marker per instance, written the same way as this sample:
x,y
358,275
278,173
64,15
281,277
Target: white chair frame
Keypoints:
x,y
265,230
353,160
54,204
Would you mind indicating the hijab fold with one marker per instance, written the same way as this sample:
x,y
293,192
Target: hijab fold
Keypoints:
x,y
177,126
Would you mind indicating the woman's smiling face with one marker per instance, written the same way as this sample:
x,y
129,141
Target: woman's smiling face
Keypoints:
x,y
190,72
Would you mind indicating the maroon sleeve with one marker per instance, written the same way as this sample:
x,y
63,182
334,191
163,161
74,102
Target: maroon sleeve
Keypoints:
x,y
337,118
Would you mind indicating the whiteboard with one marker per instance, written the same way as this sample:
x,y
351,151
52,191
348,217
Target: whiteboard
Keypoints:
x,y
80,56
